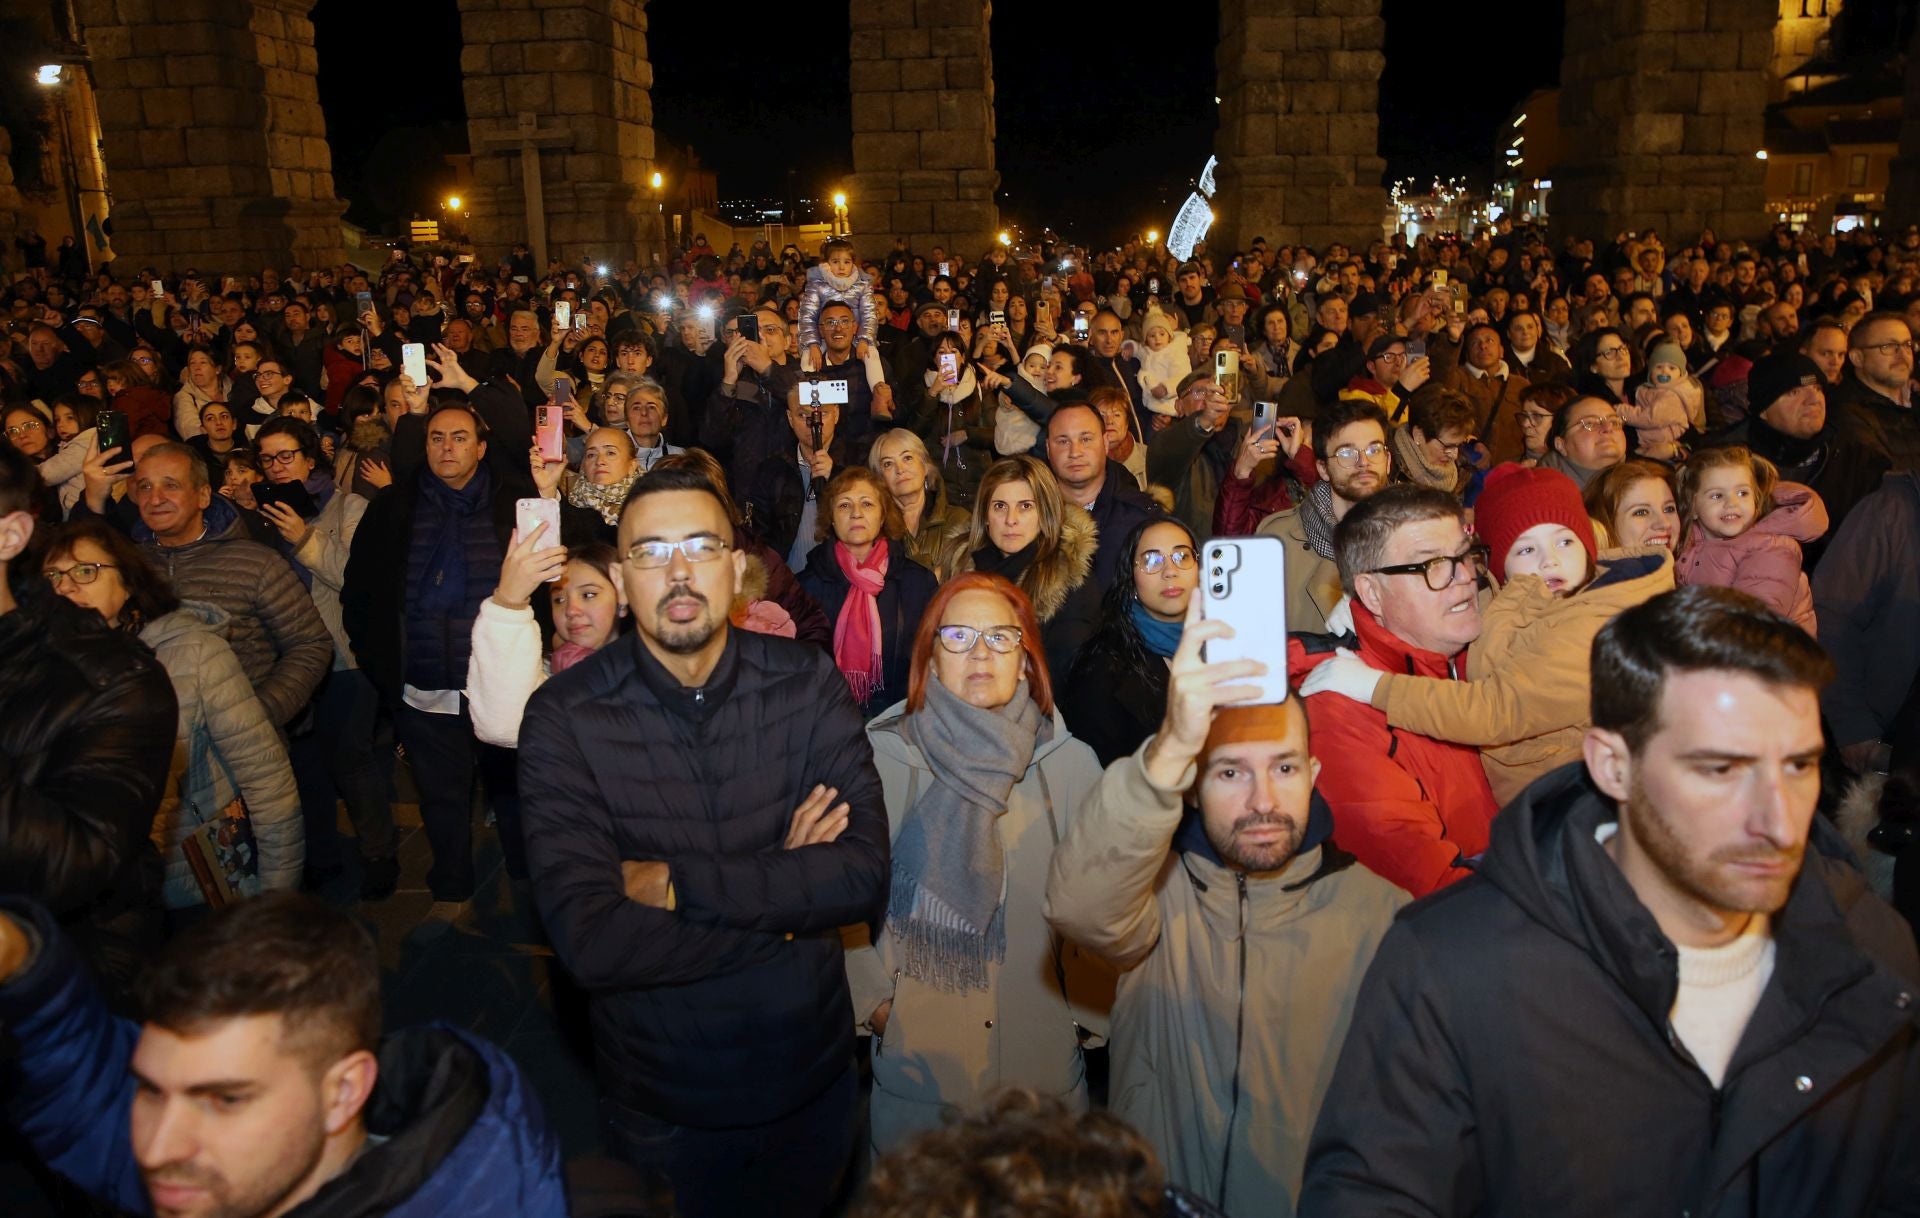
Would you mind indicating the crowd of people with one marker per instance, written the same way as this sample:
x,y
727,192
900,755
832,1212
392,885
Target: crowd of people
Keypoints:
x,y
824,634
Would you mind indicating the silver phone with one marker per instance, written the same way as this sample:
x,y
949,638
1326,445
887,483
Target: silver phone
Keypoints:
x,y
1243,582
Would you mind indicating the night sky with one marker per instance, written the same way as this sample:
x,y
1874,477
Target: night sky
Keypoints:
x,y
1075,102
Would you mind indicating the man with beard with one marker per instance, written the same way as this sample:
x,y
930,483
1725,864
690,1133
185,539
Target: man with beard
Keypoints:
x,y
703,815
1667,963
1203,867
1350,437
259,1084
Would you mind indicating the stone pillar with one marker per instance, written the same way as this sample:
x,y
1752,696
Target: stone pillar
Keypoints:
x,y
1903,181
210,117
1299,141
580,69
1661,112
922,126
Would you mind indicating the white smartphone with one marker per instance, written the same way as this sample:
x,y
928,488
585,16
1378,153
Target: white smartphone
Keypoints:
x,y
943,268
529,514
1243,582
413,362
563,315
953,319
157,288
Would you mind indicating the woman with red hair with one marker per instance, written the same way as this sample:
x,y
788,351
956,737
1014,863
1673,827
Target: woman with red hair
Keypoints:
x,y
964,987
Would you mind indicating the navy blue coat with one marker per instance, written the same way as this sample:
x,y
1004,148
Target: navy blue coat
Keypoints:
x,y
903,601
69,1091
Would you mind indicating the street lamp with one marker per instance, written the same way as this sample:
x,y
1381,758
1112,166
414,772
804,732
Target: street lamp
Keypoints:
x,y
840,226
453,202
1153,235
49,74
52,76
658,181
1006,238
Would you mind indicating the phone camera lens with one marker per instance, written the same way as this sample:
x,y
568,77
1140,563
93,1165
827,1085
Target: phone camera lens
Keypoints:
x,y
1219,588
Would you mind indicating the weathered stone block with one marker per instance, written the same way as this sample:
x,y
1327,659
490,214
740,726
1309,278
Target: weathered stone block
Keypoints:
x,y
915,217
918,110
564,23
886,150
1317,33
534,92
874,112
877,76
1353,134
881,14
961,111
967,74
955,150
908,43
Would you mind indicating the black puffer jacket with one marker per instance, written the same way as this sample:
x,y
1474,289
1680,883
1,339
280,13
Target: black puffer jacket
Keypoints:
x,y
1511,1051
86,737
731,1010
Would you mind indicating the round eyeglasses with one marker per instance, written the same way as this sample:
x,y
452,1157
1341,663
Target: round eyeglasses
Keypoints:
x,y
1180,557
960,639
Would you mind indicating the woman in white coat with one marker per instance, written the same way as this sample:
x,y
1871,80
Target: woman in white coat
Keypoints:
x,y
964,987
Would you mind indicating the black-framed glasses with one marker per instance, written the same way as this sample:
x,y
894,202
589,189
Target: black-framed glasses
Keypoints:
x,y
1533,418
79,573
1441,570
1887,349
1608,352
1181,557
1452,451
280,458
652,555
960,639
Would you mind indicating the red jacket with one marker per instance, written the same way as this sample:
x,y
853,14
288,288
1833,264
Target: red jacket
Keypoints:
x,y
343,371
1411,808
1242,505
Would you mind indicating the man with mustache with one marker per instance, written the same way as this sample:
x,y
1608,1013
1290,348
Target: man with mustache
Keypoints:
x,y
1203,867
1667,991
702,816
1414,809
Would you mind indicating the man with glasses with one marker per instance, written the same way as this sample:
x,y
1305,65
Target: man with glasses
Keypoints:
x,y
865,379
1354,464
1392,374
427,552
703,815
271,383
1414,810
1880,381
745,420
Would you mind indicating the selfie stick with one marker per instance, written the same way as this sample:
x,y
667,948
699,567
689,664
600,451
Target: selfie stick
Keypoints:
x,y
814,426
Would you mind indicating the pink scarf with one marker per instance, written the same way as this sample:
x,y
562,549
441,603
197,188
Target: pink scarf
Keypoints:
x,y
856,636
566,655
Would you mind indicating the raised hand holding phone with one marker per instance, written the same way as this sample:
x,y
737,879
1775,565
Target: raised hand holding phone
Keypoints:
x,y
1195,689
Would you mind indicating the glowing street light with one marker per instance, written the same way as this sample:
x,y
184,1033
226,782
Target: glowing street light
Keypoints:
x,y
840,198
1006,238
658,181
453,202
1761,155
1153,235
49,74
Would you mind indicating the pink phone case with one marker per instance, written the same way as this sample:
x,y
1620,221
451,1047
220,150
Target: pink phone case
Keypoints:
x,y
550,433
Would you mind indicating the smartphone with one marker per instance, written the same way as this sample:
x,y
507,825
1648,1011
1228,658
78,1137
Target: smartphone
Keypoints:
x,y
1243,582
292,495
749,324
1459,305
949,368
1439,277
563,391
157,288
1234,334
1264,414
943,268
563,315
953,319
413,362
1048,281
1080,328
362,304
112,425
824,393
1226,367
997,317
1153,286
529,514
550,431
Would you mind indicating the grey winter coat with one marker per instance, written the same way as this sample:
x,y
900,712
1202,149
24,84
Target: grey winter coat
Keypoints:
x,y
324,554
944,1049
275,631
226,746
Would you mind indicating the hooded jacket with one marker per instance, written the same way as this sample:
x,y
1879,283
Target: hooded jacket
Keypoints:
x,y
943,1049
1525,700
227,748
1513,1052
273,626
1061,586
1235,990
1765,560
456,1129
1413,809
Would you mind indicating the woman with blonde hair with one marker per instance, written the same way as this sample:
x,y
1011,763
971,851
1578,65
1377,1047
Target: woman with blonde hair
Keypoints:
x,y
933,527
1025,531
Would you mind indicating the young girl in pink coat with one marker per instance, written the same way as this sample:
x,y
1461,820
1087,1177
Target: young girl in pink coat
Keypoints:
x,y
1743,529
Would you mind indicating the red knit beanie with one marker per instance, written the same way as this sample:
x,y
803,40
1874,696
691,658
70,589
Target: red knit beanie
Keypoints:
x,y
1515,498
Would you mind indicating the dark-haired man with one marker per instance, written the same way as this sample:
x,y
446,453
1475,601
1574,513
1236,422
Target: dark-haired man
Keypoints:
x,y
1076,440
1203,866
1350,438
1666,960
259,1084
703,815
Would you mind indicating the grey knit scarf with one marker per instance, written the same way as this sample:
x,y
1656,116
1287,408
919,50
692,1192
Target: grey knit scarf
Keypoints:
x,y
945,913
1316,513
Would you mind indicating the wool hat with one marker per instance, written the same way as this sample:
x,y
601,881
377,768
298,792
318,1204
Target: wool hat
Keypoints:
x,y
1516,498
1156,320
1667,352
1240,724
1777,375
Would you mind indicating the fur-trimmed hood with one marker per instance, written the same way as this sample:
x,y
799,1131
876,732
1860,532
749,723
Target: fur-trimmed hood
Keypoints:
x,y
1046,581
